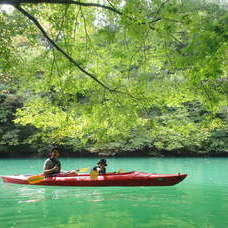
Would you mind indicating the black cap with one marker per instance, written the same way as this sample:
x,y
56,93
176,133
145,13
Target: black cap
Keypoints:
x,y
102,161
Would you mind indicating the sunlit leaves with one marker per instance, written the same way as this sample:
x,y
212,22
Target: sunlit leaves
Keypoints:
x,y
159,54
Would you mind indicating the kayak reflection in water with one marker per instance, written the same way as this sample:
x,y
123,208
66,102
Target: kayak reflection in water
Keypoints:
x,y
52,165
100,168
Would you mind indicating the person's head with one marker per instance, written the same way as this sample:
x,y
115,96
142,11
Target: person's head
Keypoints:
x,y
55,153
102,163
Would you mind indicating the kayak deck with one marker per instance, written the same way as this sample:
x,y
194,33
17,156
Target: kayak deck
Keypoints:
x,y
110,179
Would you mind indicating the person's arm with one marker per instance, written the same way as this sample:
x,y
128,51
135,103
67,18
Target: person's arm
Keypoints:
x,y
49,171
47,167
96,168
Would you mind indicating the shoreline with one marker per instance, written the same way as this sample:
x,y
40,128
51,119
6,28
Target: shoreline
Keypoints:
x,y
162,154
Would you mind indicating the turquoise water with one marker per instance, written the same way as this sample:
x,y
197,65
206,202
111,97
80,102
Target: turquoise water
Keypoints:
x,y
201,200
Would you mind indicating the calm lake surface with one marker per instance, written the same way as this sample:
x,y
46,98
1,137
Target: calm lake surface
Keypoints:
x,y
201,200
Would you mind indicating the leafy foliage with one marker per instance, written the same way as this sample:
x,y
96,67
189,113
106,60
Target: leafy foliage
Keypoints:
x,y
165,63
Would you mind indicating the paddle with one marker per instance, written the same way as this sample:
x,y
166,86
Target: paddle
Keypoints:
x,y
39,178
82,170
94,174
35,179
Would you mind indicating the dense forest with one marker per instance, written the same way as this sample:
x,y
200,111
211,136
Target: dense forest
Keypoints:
x,y
114,77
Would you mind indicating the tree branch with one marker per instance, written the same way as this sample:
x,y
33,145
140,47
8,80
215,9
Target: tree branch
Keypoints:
x,y
70,2
17,3
35,21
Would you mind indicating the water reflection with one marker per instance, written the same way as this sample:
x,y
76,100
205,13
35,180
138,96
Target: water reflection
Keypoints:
x,y
45,193
99,206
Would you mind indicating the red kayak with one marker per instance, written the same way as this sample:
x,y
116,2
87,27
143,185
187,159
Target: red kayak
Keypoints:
x,y
109,179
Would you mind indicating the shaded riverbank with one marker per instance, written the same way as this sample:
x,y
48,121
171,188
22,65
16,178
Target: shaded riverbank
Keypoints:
x,y
22,151
17,141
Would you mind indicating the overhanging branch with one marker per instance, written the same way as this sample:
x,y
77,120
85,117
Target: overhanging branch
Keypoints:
x,y
17,5
36,22
69,2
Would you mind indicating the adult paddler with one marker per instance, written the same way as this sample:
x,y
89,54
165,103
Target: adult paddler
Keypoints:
x,y
52,165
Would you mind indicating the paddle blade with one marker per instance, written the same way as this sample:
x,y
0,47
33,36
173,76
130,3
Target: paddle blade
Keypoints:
x,y
83,170
93,175
35,179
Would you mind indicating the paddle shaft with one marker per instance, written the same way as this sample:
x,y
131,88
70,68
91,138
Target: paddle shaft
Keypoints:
x,y
38,178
